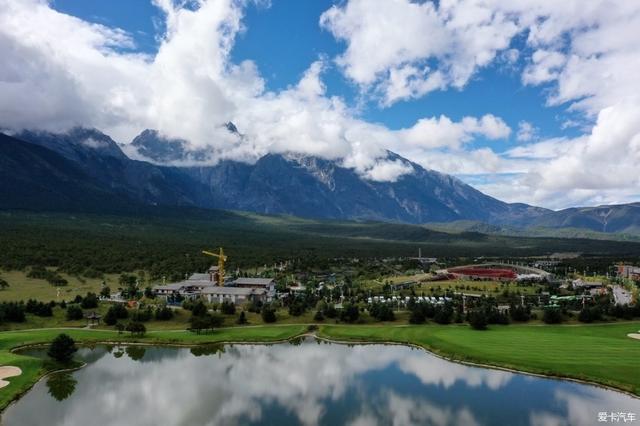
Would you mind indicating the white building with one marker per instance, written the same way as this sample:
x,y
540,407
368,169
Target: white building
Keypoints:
x,y
206,285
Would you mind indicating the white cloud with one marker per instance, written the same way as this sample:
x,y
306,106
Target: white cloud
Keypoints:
x,y
584,54
245,379
526,131
59,71
388,171
440,131
390,43
83,75
545,66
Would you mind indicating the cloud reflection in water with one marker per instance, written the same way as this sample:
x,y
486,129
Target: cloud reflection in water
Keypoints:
x,y
312,383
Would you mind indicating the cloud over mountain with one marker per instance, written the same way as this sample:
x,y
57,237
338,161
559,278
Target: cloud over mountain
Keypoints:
x,y
59,71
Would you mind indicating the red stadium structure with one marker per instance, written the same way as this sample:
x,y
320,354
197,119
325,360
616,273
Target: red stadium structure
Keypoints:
x,y
484,273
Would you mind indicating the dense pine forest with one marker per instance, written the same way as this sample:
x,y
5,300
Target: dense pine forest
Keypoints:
x,y
170,243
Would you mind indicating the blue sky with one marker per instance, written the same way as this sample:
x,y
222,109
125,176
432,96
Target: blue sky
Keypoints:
x,y
284,37
530,101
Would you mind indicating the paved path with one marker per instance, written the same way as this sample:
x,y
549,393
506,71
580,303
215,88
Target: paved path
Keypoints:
x,y
621,296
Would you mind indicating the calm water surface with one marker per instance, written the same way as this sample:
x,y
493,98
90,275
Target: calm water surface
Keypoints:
x,y
309,383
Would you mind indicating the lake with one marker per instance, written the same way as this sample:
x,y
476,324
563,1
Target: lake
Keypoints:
x,y
306,382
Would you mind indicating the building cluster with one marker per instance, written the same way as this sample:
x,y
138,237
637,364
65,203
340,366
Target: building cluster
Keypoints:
x,y
629,272
210,287
594,288
404,301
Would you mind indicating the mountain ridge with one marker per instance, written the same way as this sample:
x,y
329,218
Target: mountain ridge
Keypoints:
x,y
298,185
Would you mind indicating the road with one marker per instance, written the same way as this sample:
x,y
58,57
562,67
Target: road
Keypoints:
x,y
621,296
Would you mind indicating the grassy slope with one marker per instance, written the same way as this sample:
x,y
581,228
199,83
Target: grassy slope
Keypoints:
x,y
33,368
597,353
22,287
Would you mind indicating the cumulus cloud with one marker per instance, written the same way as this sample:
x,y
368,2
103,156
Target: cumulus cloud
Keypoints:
x,y
390,43
584,55
526,131
59,71
440,131
243,380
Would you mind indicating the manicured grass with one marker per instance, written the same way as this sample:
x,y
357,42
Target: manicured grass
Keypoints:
x,y
33,368
596,353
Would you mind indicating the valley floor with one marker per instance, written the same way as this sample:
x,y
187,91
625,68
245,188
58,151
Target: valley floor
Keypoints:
x,y
598,353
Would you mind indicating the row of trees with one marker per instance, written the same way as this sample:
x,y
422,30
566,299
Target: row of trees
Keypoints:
x,y
590,313
201,320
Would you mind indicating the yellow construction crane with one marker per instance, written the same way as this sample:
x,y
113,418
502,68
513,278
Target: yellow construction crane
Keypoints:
x,y
221,259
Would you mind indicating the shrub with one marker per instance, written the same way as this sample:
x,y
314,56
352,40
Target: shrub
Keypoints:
x,y
199,309
319,316
520,313
120,311
110,317
443,314
142,315
255,306
331,311
478,319
552,315
74,312
381,312
12,312
105,292
40,272
417,316
38,308
90,301
268,314
164,313
205,322
228,308
136,328
296,309
242,319
589,314
349,313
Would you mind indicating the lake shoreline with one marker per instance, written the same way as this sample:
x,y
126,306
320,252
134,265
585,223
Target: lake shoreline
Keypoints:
x,y
84,338
478,364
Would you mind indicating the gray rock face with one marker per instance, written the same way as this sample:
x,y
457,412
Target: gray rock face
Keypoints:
x,y
291,184
314,187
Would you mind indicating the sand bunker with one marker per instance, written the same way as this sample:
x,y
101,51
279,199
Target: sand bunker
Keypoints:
x,y
634,335
8,371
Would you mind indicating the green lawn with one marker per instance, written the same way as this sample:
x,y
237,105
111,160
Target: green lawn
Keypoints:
x,y
597,353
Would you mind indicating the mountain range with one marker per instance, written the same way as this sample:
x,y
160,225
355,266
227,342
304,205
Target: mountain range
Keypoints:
x,y
84,169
